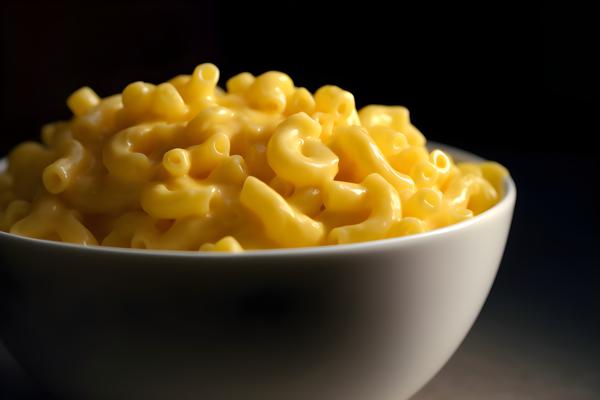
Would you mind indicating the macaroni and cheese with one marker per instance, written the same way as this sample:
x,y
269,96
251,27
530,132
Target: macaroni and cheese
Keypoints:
x,y
186,165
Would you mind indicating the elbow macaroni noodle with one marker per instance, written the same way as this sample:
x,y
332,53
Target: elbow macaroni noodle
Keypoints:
x,y
185,165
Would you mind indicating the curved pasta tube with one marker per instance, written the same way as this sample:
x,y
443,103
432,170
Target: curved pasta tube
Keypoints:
x,y
202,83
406,158
360,155
483,196
340,196
126,226
269,92
139,230
334,107
180,83
6,191
137,98
59,175
99,122
97,193
386,209
25,165
134,154
424,203
440,161
443,164
255,156
448,214
457,214
15,211
177,162
407,226
168,103
424,174
344,203
50,132
300,101
282,223
232,171
239,83
258,126
389,141
227,244
295,153
82,101
206,156
121,158
50,219
472,192
281,186
187,233
197,160
470,168
335,101
178,198
307,200
396,117
227,100
327,122
210,121
495,174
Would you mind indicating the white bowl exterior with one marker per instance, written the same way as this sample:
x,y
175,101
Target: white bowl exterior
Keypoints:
x,y
368,322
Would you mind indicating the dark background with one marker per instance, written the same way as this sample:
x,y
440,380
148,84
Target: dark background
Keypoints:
x,y
512,86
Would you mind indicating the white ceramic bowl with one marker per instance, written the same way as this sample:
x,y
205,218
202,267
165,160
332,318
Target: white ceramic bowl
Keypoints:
x,y
369,321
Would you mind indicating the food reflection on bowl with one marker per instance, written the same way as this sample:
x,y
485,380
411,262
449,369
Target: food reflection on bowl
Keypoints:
x,y
373,320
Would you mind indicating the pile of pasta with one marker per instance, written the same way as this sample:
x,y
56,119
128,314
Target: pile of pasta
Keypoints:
x,y
186,165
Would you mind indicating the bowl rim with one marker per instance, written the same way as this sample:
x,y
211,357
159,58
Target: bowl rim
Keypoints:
x,y
506,203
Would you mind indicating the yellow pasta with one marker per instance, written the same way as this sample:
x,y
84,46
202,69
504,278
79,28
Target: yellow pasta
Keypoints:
x,y
178,198
395,117
282,223
385,209
307,200
389,141
269,92
202,83
227,244
239,83
168,103
59,175
137,98
15,211
186,165
296,154
83,100
340,196
50,219
360,156
206,156
300,101
407,226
